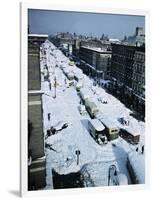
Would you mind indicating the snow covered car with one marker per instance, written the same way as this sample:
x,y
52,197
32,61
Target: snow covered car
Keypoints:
x,y
71,63
84,94
70,83
61,125
95,90
100,99
82,109
70,75
79,85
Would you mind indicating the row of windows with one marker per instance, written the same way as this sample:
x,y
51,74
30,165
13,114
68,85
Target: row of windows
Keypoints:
x,y
139,90
139,79
140,56
139,68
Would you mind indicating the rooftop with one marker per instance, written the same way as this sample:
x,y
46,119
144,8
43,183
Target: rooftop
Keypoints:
x,y
97,124
98,50
38,35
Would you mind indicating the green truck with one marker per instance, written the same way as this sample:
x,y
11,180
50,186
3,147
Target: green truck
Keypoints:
x,y
91,107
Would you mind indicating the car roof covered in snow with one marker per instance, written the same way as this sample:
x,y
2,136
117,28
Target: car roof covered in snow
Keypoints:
x,y
131,131
85,93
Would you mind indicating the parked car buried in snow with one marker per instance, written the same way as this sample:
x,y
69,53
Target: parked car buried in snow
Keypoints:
x,y
100,99
82,109
79,85
84,94
71,63
70,75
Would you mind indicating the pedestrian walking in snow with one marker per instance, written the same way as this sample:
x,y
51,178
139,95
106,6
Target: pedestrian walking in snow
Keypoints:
x,y
65,81
50,86
48,134
53,130
49,115
142,150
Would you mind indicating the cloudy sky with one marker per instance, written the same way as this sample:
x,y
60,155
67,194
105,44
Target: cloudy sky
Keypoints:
x,y
115,26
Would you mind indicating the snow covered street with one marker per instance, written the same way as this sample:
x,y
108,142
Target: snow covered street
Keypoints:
x,y
61,103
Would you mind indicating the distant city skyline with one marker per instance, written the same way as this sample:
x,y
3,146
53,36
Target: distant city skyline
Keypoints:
x,y
89,24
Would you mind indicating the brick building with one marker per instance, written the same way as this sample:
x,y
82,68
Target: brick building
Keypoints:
x,y
96,62
128,74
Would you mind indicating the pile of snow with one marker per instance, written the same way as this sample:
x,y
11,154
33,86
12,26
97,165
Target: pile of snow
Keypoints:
x,y
137,163
96,174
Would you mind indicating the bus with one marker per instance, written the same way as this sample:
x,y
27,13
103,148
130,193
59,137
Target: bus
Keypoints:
x,y
130,136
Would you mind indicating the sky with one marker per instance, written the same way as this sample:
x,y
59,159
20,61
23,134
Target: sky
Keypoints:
x,y
113,25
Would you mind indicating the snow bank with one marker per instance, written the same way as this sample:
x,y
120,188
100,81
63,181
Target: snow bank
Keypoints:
x,y
137,163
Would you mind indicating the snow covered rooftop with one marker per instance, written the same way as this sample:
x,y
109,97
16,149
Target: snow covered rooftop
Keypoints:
x,y
38,35
97,125
108,122
99,50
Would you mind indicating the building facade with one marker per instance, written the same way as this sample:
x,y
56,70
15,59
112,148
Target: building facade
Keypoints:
x,y
128,74
36,155
138,83
96,61
122,63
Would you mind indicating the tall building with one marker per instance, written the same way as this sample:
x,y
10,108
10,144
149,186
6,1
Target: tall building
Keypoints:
x,y
139,31
122,63
36,156
138,83
96,61
138,39
128,72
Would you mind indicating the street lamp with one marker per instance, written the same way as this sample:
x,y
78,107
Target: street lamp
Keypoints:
x,y
113,169
77,152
